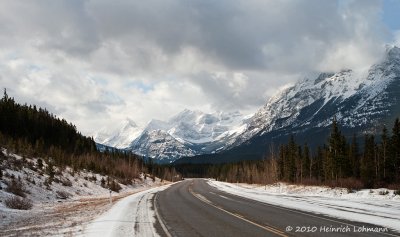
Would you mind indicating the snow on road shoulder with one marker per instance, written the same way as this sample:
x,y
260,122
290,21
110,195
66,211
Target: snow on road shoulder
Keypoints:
x,y
131,216
368,206
61,207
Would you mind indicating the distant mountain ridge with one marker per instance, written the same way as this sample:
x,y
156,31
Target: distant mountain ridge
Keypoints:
x,y
188,133
119,137
359,100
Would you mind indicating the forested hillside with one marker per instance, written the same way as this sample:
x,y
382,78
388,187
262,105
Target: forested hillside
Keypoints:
x,y
337,163
34,132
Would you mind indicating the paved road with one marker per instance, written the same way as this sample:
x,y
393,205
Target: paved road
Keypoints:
x,y
193,208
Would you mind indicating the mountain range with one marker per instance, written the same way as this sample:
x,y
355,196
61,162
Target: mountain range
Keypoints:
x,y
360,100
188,133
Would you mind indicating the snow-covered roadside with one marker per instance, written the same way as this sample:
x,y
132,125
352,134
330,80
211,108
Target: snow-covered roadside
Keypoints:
x,y
60,208
131,216
368,206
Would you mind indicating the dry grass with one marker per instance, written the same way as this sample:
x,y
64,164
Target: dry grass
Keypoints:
x,y
16,187
18,203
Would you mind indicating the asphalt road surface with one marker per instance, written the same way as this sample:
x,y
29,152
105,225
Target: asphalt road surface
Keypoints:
x,y
193,208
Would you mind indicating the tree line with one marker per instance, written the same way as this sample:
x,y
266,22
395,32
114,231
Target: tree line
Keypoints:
x,y
34,132
339,162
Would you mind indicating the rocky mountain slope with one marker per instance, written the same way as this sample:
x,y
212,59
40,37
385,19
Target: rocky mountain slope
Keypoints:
x,y
120,136
359,100
188,133
356,99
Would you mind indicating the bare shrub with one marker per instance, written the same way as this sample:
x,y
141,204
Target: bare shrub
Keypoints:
x,y
103,183
66,182
18,164
351,184
29,179
394,186
383,192
93,178
47,182
31,165
114,186
16,187
63,195
18,203
58,172
311,182
39,163
126,181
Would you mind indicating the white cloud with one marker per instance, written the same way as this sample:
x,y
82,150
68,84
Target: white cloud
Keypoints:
x,y
397,38
97,62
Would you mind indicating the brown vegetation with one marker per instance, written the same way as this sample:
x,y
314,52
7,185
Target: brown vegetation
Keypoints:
x,y
16,187
18,203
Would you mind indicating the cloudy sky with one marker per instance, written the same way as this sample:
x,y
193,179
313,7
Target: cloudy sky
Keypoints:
x,y
97,62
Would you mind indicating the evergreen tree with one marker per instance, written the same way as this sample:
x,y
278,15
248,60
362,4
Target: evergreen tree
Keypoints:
x,y
384,149
354,156
367,162
395,153
318,168
307,166
291,153
337,159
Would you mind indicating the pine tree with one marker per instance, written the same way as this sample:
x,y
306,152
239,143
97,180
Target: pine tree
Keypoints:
x,y
281,163
354,156
333,159
395,147
292,151
367,162
307,165
384,149
318,168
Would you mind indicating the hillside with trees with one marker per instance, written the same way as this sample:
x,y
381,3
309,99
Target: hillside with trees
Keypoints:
x,y
338,163
35,132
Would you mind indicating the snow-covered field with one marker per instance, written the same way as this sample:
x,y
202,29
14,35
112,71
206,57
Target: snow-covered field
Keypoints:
x,y
136,211
375,206
64,207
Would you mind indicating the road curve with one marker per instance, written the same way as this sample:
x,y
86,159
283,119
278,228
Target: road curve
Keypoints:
x,y
193,208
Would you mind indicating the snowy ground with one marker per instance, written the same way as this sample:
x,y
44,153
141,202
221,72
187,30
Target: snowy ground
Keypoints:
x,y
131,216
374,206
52,214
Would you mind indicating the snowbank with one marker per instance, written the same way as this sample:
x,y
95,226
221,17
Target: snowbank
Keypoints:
x,y
131,216
60,208
369,206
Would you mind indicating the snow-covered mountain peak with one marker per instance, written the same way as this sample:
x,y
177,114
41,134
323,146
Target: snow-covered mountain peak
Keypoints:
x,y
186,116
129,122
199,127
393,53
120,136
188,133
351,95
323,76
156,124
160,145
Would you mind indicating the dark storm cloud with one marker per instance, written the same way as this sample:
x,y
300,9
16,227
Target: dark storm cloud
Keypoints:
x,y
239,35
214,54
